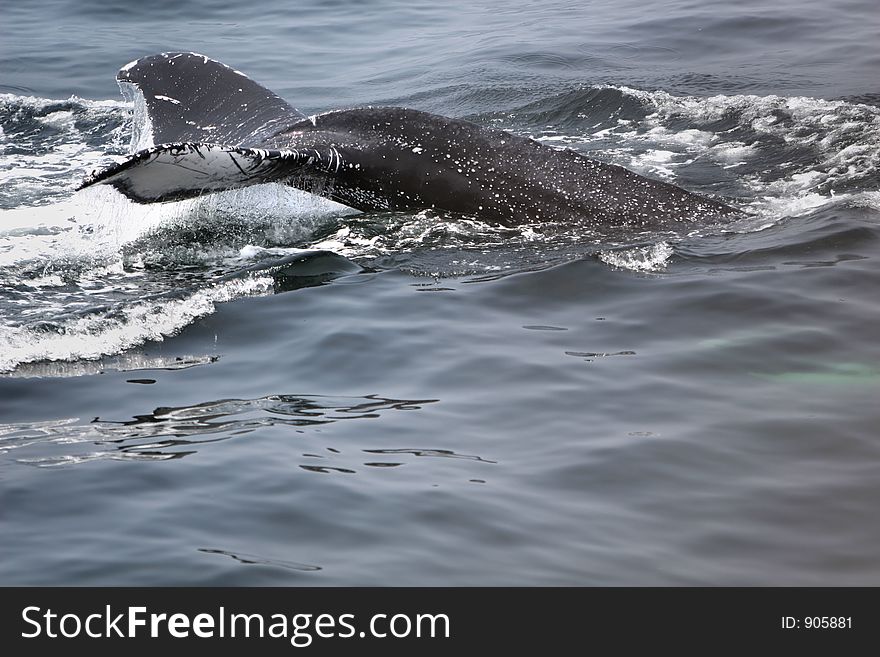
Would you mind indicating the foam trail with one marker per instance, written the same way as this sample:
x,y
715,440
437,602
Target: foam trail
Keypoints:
x,y
91,337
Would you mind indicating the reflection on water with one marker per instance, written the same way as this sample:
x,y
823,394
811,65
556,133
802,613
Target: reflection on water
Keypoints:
x,y
445,453
253,559
175,432
132,361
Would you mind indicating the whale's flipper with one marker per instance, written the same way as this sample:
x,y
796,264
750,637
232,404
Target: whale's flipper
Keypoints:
x,y
172,172
192,98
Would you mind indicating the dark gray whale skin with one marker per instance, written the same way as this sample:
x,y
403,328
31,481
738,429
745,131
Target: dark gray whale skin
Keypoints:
x,y
373,158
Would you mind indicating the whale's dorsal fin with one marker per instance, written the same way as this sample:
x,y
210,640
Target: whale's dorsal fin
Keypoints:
x,y
193,98
172,172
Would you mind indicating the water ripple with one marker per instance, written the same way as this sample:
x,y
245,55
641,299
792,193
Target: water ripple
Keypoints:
x,y
173,432
253,559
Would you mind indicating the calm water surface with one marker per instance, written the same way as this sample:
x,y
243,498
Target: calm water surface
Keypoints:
x,y
257,388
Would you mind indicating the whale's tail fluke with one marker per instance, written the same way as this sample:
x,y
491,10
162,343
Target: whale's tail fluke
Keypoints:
x,y
192,98
173,172
206,128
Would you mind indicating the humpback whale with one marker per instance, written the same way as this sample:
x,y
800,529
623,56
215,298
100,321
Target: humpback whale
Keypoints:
x,y
214,129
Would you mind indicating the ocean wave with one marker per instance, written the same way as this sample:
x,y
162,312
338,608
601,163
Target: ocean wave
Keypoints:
x,y
117,329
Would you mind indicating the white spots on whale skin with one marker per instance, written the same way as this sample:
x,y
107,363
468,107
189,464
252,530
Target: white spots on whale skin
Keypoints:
x,y
168,99
129,66
417,149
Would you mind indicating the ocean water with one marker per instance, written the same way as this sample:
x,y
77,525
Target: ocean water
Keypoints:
x,y
263,388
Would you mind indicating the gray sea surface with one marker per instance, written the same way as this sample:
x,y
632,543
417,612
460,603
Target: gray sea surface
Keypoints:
x,y
256,388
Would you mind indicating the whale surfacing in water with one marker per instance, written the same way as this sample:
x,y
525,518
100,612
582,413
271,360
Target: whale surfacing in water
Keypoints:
x,y
215,129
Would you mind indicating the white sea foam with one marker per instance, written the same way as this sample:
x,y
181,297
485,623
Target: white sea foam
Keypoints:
x,y
91,337
654,257
845,135
733,153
